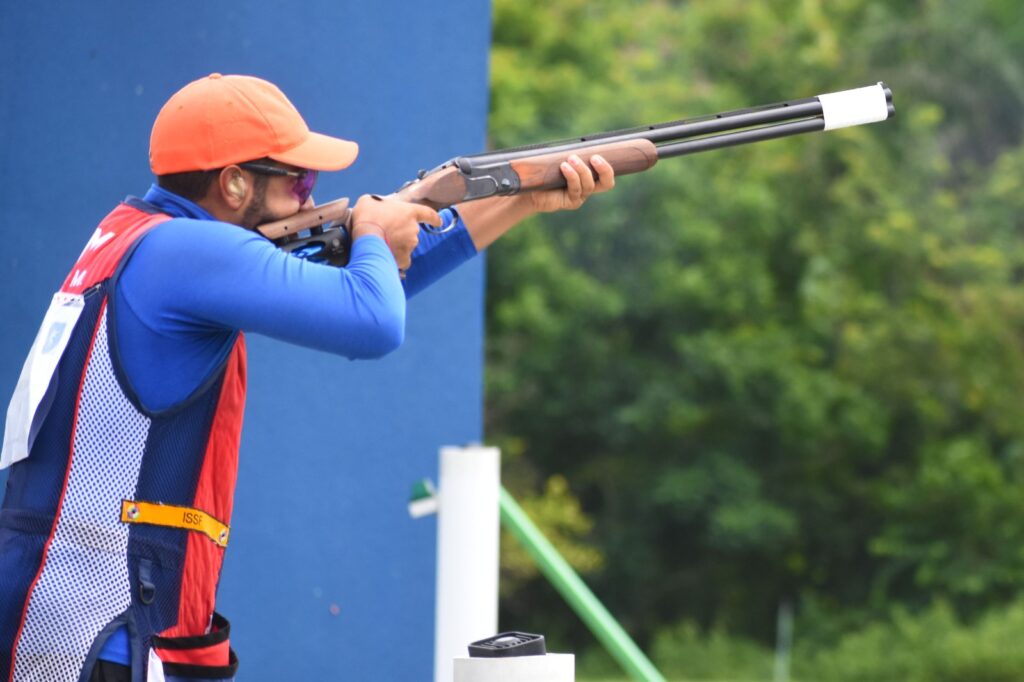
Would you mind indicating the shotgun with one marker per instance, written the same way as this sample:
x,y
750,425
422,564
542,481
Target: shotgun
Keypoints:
x,y
321,233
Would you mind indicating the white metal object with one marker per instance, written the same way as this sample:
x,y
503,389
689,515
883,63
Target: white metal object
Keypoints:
x,y
854,107
468,529
547,668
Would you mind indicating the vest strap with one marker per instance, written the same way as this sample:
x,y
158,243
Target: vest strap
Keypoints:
x,y
174,516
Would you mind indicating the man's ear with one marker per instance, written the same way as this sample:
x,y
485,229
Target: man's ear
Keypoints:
x,y
233,186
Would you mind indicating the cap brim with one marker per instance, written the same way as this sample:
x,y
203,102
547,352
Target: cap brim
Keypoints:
x,y
320,152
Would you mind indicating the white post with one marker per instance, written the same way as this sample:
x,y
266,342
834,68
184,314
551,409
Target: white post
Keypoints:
x,y
468,527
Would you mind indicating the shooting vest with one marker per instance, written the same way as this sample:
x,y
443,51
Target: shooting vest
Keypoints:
x,y
119,515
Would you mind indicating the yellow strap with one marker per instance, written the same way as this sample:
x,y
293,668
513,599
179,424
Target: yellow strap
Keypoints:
x,y
173,516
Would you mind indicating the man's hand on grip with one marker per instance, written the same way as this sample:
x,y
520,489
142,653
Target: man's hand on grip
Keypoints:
x,y
396,221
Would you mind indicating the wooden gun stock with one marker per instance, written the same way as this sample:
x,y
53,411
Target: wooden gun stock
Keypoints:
x,y
336,211
543,171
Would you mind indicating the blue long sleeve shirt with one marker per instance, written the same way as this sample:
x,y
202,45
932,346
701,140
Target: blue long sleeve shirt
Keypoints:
x,y
193,282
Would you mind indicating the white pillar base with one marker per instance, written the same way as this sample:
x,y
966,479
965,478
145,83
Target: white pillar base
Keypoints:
x,y
548,668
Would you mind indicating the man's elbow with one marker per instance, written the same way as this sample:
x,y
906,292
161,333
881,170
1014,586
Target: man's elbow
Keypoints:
x,y
376,315
382,338
391,336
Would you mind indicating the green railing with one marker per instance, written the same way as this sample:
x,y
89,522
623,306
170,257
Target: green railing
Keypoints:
x,y
576,593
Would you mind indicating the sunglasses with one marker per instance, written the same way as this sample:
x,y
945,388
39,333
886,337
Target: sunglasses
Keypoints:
x,y
304,179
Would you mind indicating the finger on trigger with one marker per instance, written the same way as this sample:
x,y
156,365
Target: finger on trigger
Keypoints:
x,y
425,214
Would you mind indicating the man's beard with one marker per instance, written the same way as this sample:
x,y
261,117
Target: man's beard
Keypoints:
x,y
256,212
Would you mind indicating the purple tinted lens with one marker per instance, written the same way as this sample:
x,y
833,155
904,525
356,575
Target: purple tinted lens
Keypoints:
x,y
304,185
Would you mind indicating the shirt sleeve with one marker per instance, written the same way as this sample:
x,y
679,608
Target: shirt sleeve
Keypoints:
x,y
192,277
438,254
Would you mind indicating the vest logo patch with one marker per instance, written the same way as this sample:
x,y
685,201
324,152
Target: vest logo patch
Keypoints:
x,y
98,239
54,336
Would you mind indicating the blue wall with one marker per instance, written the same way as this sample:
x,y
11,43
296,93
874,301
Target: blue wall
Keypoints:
x,y
327,577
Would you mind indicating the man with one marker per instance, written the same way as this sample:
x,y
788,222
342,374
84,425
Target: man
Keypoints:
x,y
123,432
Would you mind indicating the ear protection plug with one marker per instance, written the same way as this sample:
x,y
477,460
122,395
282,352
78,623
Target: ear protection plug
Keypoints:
x,y
236,186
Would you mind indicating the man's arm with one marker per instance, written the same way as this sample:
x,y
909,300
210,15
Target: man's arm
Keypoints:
x,y
487,220
191,285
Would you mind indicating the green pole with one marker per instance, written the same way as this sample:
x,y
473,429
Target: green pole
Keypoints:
x,y
557,570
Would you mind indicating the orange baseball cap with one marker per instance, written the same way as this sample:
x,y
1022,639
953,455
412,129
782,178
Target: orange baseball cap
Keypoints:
x,y
219,120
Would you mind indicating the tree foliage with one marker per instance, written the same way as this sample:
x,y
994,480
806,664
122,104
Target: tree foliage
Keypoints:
x,y
785,370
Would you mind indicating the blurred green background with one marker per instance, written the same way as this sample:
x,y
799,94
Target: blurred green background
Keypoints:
x,y
786,376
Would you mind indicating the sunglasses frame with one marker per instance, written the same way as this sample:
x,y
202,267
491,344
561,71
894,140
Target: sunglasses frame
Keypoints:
x,y
299,189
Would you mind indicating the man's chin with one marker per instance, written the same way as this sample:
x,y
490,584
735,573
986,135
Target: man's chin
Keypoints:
x,y
254,219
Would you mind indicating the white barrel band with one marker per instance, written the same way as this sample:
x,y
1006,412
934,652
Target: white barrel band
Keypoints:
x,y
854,107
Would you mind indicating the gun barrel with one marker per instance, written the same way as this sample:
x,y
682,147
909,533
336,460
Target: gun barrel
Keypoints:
x,y
733,139
711,142
667,132
830,111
